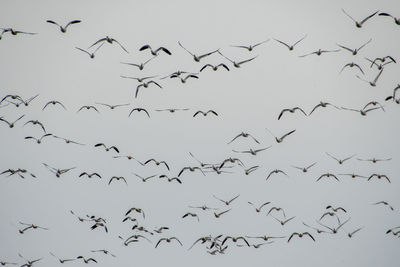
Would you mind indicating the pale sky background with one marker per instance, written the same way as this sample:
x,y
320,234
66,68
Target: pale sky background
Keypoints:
x,y
247,99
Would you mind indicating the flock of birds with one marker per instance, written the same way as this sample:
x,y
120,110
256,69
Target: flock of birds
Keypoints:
x,y
333,220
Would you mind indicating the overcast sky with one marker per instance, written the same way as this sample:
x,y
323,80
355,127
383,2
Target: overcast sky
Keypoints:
x,y
248,99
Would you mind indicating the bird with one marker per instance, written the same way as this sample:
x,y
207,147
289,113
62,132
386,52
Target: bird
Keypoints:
x,y
30,226
110,40
145,85
396,20
144,179
252,151
331,214
305,169
283,222
63,29
350,235
328,175
250,47
214,67
384,203
117,178
157,162
68,141
227,202
90,175
177,73
14,32
29,100
235,239
3,263
54,102
170,179
231,160
172,110
322,105
277,209
11,124
359,23
138,210
276,171
192,169
140,79
134,238
61,260
29,263
380,65
38,140
244,134
168,240
300,235
291,110
373,83
260,207
112,106
355,50
237,64
57,172
192,215
19,171
155,52
340,161
205,113
139,110
91,54
104,251
319,231
379,176
219,214
87,108
36,122
250,170
161,229
374,160
320,52
86,260
106,147
195,57
183,80
280,139
374,103
353,175
203,207
13,97
333,229
363,112
291,47
352,64
141,65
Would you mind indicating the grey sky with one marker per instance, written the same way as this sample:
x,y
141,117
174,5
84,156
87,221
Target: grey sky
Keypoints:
x,y
247,99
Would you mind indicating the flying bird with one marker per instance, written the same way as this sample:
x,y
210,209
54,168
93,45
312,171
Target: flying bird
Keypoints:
x,y
396,20
90,175
141,65
355,50
106,147
280,139
157,162
145,85
155,52
14,32
91,54
250,47
36,122
252,151
168,240
379,176
191,215
195,57
291,110
54,102
191,169
300,235
183,80
243,134
363,111
322,105
359,23
291,47
351,65
384,203
320,52
112,106
258,209
87,108
372,83
139,110
328,175
305,169
205,113
340,161
214,67
227,202
57,172
374,160
38,140
117,178
11,124
108,40
140,79
237,64
276,171
144,179
63,29
219,214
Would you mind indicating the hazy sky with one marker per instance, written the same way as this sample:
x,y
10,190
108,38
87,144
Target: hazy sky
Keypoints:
x,y
247,99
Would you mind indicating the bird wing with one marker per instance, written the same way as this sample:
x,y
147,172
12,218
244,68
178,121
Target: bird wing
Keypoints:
x,y
145,47
377,77
120,45
348,15
344,47
285,44
299,40
367,18
98,41
52,22
289,133
364,44
247,60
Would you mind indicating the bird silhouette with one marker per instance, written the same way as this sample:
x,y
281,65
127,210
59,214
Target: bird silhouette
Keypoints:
x,y
63,29
109,40
291,47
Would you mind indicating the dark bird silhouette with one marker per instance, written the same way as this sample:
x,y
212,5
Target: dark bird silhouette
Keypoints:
x,y
145,85
117,178
139,79
108,40
138,210
237,64
63,29
363,111
38,140
29,100
139,110
91,54
334,230
300,235
280,139
191,169
382,60
205,113
355,50
277,209
144,179
351,65
172,110
106,147
168,240
322,105
276,171
214,67
11,124
320,52
219,214
104,251
61,260
195,57
350,235
374,160
328,175
235,239
359,23
291,47
384,203
30,226
250,170
90,175
227,202
86,260
54,102
170,179
68,141
36,122
305,169
396,20
112,106
250,47
184,79
379,176
87,108
285,221
372,83
14,32
13,97
28,263
252,151
230,160
140,66
340,161
57,172
291,110
191,215
3,263
258,209
157,162
353,175
243,134
156,51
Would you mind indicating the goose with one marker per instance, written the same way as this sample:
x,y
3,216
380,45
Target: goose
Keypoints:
x,y
183,80
3,263
340,161
214,67
237,64
161,229
251,151
144,179
139,110
192,169
16,104
90,175
155,52
378,65
300,235
30,226
276,171
157,162
11,124
14,32
260,207
87,108
283,222
138,210
235,239
112,106
320,52
392,230
291,110
54,102
328,175
397,101
29,263
243,134
29,100
141,79
350,235
38,140
197,58
109,40
168,240
172,110
383,60
63,29
351,65
334,230
205,239
331,214
13,97
373,83
250,170
359,23
374,160
68,141
319,231
130,219
142,229
177,73
86,260
203,207
363,112
191,215
322,105
61,260
384,203
57,172
36,122
227,202
231,160
257,245
291,47
355,50
170,179
353,175
135,238
396,20
104,251
117,178
265,237
277,209
91,54
19,171
205,113
107,148
250,47
145,85
373,103
219,214
379,176
79,218
305,169
140,66
280,139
